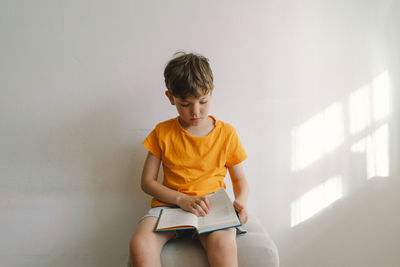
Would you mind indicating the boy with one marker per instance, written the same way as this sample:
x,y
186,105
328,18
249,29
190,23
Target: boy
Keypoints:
x,y
195,150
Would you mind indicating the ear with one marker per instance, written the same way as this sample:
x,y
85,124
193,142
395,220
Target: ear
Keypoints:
x,y
170,97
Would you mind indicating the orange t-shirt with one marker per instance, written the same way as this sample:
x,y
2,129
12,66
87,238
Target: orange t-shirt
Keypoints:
x,y
194,165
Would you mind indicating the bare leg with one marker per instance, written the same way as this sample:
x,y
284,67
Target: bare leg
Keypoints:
x,y
221,247
146,245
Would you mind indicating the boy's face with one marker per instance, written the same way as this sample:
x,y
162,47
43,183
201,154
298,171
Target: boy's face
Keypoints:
x,y
192,111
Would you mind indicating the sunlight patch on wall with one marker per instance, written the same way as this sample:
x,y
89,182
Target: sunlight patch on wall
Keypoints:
x,y
360,110
381,96
369,111
316,137
376,149
369,107
369,104
316,200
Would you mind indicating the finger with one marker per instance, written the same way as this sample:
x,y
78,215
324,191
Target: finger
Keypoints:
x,y
203,207
243,216
199,210
206,201
203,203
245,219
237,206
194,211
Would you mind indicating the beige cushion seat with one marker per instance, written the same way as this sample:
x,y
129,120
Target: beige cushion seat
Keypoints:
x,y
255,249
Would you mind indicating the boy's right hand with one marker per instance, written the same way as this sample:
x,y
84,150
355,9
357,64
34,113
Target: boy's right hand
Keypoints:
x,y
194,204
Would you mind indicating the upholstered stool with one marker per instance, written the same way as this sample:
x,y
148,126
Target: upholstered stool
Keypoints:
x,y
255,249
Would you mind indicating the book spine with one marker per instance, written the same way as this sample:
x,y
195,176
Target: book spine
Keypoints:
x,y
158,220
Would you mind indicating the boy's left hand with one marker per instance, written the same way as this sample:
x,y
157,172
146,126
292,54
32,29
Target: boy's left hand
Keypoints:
x,y
241,209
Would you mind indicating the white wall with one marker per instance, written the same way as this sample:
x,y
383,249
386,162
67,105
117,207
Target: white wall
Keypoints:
x,y
81,85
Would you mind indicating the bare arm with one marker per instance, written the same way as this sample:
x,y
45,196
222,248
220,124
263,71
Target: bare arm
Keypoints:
x,y
150,185
240,189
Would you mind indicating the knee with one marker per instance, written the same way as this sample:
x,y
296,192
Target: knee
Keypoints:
x,y
138,248
136,244
223,244
221,250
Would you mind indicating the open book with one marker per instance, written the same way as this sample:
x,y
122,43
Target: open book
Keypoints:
x,y
221,215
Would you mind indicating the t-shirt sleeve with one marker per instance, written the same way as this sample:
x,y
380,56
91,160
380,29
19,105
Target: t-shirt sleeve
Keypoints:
x,y
236,153
152,144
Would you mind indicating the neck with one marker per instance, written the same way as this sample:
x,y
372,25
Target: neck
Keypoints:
x,y
199,130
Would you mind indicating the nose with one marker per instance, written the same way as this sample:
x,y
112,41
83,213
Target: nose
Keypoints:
x,y
196,110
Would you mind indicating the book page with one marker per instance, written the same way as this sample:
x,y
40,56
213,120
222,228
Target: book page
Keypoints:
x,y
221,214
175,218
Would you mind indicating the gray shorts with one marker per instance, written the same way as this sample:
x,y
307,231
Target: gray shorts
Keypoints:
x,y
155,212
